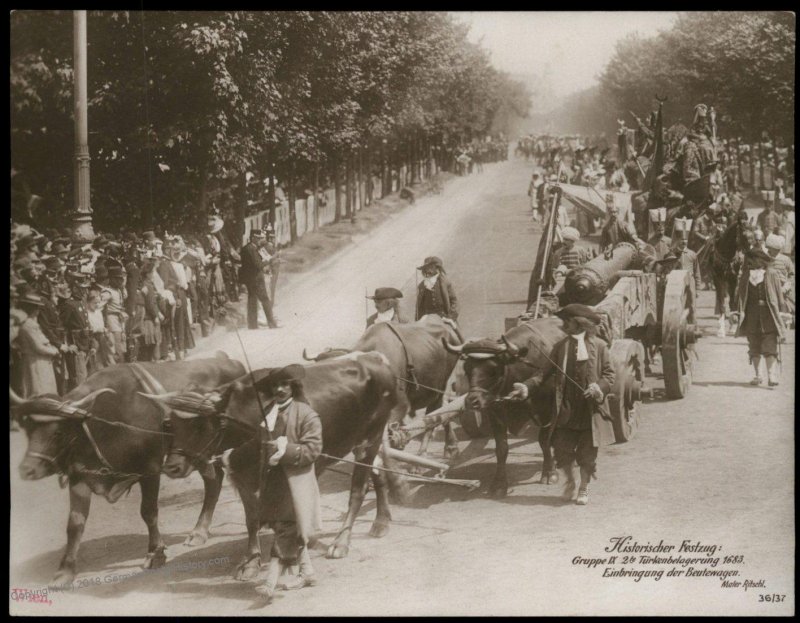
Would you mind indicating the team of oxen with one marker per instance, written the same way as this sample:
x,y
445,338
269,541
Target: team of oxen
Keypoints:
x,y
133,422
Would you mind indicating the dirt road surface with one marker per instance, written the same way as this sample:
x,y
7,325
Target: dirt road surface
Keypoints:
x,y
714,469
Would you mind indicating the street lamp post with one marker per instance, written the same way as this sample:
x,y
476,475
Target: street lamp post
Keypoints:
x,y
82,216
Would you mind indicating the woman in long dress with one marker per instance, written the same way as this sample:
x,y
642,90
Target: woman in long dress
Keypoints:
x,y
36,352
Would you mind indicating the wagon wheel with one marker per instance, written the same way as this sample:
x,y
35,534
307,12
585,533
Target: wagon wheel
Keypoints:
x,y
677,334
475,424
627,357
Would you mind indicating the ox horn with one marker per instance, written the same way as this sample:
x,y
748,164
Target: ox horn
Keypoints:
x,y
308,357
15,399
451,348
150,383
89,399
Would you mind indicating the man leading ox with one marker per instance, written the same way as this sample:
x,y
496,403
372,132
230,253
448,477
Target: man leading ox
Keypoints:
x,y
583,379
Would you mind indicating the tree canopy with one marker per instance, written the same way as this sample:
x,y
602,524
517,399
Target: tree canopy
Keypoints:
x,y
185,105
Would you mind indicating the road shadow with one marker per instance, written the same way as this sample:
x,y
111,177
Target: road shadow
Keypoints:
x,y
745,385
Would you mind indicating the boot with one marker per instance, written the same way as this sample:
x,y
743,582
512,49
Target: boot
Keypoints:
x,y
771,374
569,481
267,589
757,380
583,490
306,568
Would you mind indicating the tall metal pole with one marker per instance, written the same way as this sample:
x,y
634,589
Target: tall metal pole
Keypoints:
x,y
82,216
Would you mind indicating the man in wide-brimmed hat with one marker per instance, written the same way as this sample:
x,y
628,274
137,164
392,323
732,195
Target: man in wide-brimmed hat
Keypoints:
x,y
760,302
387,305
584,376
435,294
291,437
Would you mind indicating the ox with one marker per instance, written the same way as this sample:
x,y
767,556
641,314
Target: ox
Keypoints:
x,y
419,362
353,395
103,437
521,353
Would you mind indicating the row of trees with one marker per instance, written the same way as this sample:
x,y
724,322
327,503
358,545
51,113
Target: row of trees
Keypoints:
x,y
742,63
188,109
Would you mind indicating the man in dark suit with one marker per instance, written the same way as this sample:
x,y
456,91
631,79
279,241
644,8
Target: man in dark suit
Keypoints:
x,y
252,275
584,378
387,305
435,295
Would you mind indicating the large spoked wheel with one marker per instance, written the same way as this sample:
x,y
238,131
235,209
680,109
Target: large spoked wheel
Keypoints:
x,y
627,357
475,424
678,334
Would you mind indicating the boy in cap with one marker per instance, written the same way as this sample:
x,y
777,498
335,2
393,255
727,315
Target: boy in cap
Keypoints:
x,y
290,442
435,294
760,302
387,306
584,376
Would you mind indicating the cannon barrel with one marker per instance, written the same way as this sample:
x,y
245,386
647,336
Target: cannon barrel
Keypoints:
x,y
588,284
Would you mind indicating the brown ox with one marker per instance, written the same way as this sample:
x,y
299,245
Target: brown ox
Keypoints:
x,y
419,361
353,396
521,353
103,437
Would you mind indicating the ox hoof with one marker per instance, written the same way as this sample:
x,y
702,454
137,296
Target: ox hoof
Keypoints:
x,y
195,539
498,491
379,529
63,580
548,478
338,550
248,569
155,560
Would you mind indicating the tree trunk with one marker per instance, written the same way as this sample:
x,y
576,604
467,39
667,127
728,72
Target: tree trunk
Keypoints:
x,y
370,179
383,170
337,182
271,197
348,189
316,196
360,179
240,207
292,212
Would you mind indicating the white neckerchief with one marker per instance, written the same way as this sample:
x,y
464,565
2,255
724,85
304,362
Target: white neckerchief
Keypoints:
x,y
386,316
272,416
430,281
583,354
756,275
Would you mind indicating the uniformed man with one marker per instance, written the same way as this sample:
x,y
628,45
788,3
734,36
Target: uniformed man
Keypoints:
x,y
75,320
435,294
686,258
660,242
584,376
615,231
387,306
768,221
784,266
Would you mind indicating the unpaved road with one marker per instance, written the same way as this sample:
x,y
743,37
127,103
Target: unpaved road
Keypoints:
x,y
715,468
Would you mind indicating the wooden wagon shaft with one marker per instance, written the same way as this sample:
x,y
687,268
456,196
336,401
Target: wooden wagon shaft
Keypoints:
x,y
440,416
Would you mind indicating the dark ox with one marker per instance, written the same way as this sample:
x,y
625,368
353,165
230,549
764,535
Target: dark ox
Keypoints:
x,y
353,396
522,352
419,361
103,437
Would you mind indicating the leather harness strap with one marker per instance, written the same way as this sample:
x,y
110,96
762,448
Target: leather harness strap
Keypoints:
x,y
409,363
